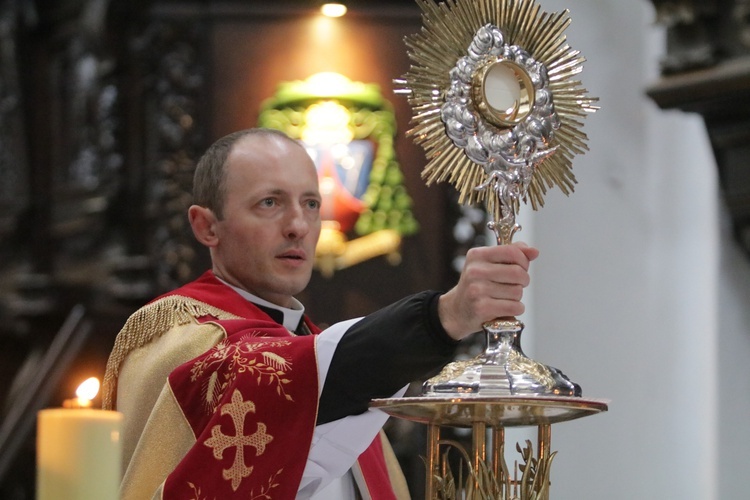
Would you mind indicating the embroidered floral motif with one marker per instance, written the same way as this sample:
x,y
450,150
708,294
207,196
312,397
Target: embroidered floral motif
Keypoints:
x,y
264,492
197,495
276,361
228,359
219,441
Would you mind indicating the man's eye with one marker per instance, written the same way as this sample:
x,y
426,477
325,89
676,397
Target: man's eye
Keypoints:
x,y
313,204
268,202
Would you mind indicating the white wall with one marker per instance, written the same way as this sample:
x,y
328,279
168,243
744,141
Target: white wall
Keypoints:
x,y
734,374
639,295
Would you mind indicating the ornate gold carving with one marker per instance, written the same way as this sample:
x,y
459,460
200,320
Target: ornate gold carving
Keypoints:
x,y
537,371
516,362
453,370
219,441
493,481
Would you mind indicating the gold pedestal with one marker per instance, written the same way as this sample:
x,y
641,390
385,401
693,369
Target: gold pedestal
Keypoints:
x,y
489,476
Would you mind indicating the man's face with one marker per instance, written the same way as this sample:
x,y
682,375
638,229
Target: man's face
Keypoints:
x,y
266,240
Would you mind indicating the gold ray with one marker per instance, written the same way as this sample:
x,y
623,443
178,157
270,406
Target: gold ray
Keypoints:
x,y
539,33
464,17
565,69
552,35
527,20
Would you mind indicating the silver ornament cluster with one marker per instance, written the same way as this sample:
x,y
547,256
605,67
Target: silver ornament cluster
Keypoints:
x,y
507,156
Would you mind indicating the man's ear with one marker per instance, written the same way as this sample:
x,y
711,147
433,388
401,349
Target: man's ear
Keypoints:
x,y
203,221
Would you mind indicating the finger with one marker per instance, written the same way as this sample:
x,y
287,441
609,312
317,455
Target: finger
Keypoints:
x,y
509,274
531,253
489,309
511,292
501,254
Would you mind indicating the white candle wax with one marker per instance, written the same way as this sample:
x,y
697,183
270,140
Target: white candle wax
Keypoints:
x,y
79,454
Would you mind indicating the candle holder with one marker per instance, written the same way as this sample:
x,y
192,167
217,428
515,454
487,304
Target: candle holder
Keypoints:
x,y
498,110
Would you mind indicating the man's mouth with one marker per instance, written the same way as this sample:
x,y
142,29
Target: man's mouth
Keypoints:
x,y
293,255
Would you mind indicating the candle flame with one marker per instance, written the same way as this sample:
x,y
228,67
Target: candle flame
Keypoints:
x,y
88,389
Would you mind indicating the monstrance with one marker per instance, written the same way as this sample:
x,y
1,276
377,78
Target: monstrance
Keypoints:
x,y
498,110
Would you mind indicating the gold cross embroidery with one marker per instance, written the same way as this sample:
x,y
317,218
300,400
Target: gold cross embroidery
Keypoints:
x,y
219,441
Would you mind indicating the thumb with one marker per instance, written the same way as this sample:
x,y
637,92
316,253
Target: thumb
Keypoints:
x,y
531,253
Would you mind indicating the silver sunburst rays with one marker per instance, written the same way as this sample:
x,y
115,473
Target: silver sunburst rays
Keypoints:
x,y
496,106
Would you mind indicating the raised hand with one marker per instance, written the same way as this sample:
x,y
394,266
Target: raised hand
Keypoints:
x,y
491,286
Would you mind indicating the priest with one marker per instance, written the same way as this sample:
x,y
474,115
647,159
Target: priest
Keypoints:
x,y
228,390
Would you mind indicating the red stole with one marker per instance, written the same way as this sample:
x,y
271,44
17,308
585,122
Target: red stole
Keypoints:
x,y
252,404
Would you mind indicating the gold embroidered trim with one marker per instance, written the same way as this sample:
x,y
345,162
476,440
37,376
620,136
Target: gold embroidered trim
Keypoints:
x,y
148,323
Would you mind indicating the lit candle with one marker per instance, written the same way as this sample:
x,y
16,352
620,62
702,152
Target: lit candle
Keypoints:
x,y
79,454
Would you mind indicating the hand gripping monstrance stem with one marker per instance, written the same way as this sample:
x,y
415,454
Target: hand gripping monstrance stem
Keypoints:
x,y
502,369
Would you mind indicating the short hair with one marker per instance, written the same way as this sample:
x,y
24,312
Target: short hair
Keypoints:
x,y
209,180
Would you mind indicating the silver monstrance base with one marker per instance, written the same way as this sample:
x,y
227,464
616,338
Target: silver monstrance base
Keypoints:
x,y
501,370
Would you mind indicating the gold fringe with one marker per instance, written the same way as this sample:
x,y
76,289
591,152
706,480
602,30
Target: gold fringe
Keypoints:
x,y
148,323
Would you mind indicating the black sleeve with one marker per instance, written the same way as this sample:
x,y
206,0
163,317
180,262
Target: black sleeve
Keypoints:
x,y
382,353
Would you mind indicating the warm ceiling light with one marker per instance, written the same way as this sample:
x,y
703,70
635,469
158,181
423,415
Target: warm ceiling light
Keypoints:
x,y
333,9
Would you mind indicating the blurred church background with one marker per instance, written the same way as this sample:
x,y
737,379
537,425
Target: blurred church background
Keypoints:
x,y
641,293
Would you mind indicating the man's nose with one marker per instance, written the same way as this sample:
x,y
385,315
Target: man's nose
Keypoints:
x,y
297,225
